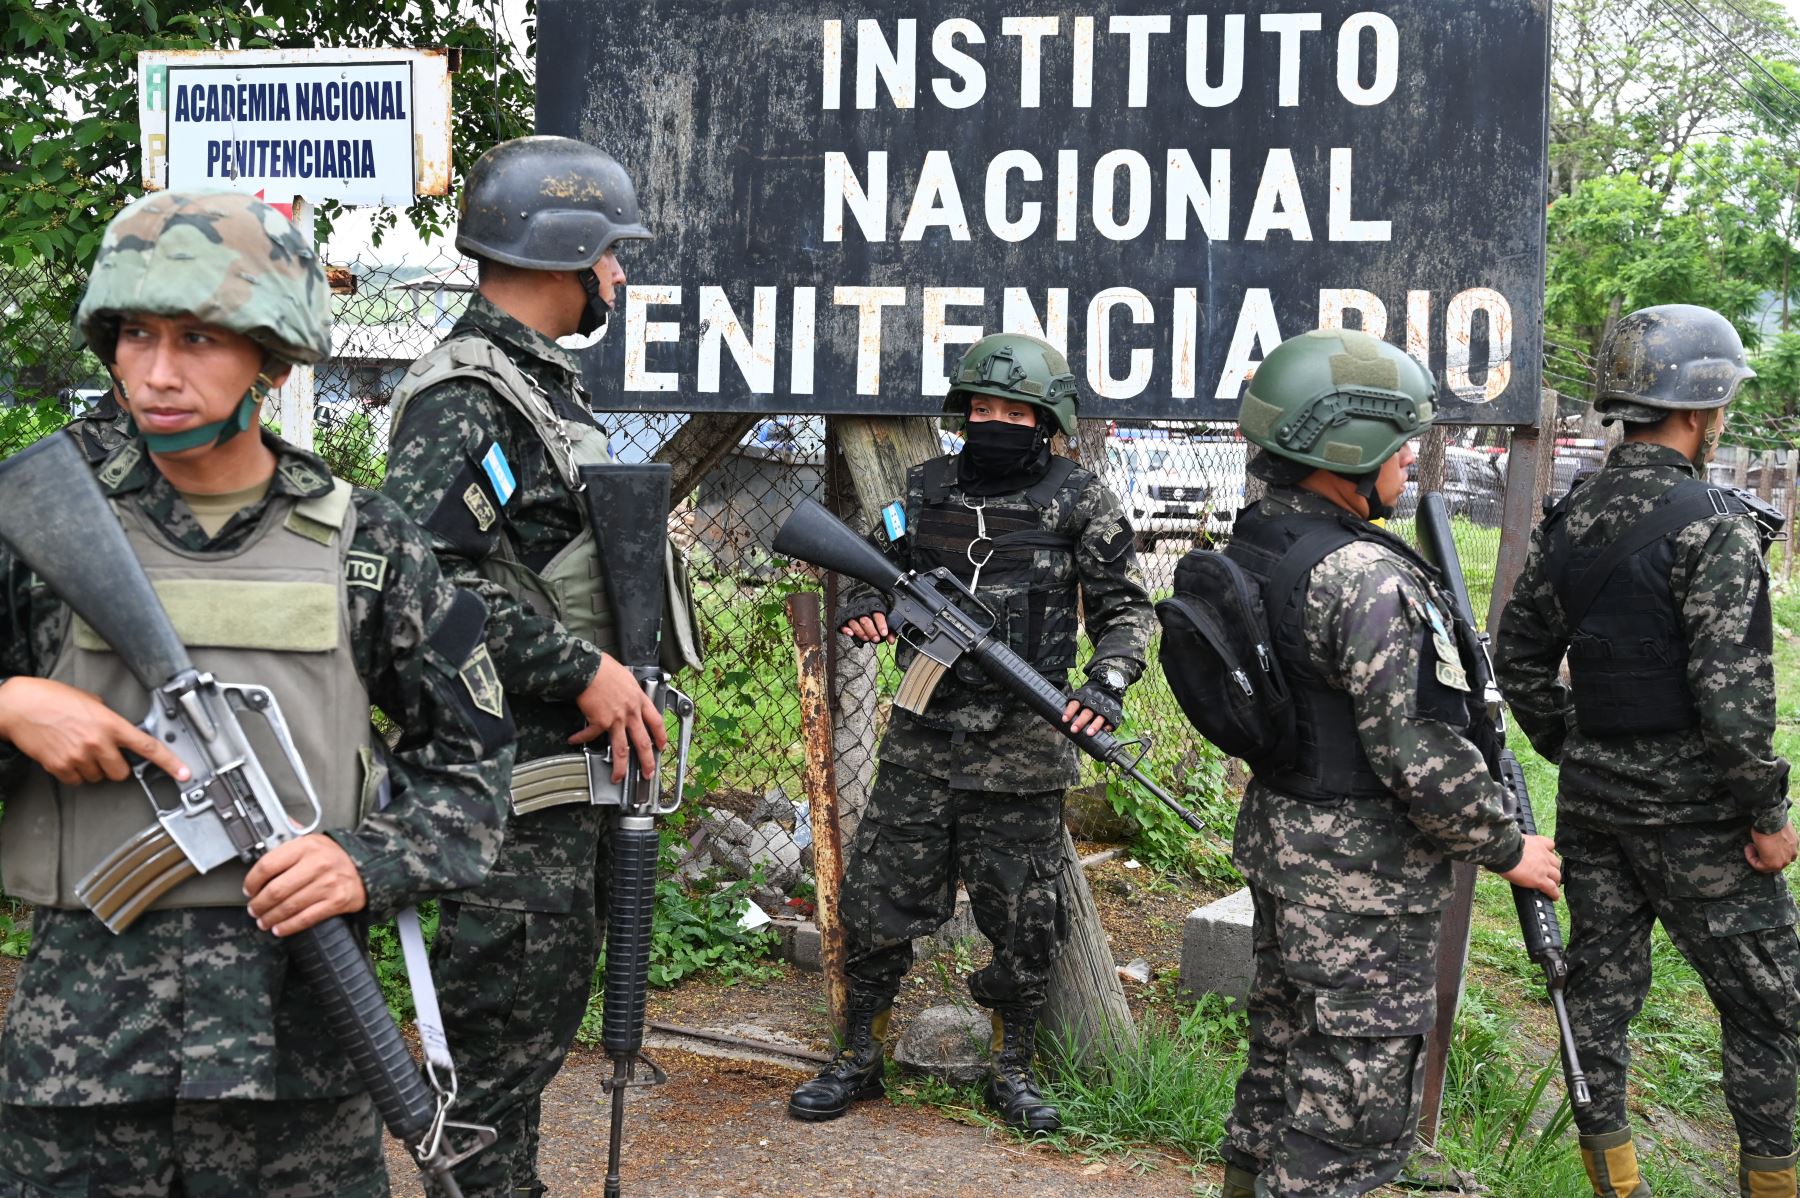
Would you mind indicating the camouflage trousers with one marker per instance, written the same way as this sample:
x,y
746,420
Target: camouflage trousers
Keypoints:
x,y
917,837
514,987
291,1149
1339,1007
1734,926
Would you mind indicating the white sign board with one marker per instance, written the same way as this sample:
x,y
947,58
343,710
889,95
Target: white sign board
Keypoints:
x,y
358,127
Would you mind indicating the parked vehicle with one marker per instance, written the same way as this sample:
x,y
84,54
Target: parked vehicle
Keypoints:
x,y
1177,489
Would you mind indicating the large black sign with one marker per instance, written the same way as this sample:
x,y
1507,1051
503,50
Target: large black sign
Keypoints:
x,y
845,197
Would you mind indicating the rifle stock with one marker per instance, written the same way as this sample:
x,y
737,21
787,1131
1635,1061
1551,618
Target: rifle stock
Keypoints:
x,y
1538,924
925,613
59,524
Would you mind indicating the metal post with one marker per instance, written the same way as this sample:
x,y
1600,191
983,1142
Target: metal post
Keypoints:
x,y
294,399
1793,486
1528,467
821,794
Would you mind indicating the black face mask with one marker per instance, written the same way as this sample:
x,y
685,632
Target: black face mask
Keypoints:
x,y
998,457
593,317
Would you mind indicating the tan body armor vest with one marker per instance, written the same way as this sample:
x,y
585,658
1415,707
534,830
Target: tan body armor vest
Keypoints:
x,y
273,613
570,587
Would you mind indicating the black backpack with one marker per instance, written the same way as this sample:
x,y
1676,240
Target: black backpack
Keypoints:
x,y
1218,648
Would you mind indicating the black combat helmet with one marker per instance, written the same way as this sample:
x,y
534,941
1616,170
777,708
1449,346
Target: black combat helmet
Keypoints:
x,y
547,203
1674,357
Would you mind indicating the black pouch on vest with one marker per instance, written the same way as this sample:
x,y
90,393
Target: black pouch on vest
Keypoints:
x,y
1218,652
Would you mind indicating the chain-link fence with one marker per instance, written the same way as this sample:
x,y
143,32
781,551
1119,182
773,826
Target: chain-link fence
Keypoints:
x,y
1181,485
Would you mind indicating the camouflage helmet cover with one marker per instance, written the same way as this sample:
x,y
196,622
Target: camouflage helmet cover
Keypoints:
x,y
1337,399
225,258
1017,367
1670,357
547,203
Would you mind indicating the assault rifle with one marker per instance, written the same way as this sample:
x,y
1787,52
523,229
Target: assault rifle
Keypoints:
x,y
628,510
56,520
1537,914
930,612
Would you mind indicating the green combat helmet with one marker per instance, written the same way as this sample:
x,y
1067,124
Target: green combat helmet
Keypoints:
x,y
1338,400
1673,357
1019,368
222,257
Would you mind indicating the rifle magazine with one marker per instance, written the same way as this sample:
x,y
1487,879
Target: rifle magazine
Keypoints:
x,y
130,880
919,684
550,782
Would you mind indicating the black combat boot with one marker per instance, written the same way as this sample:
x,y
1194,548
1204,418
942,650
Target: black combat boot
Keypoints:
x,y
1011,1089
856,1071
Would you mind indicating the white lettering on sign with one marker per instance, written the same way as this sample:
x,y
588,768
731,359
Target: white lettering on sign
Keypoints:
x,y
1256,334
320,131
1019,315
1260,178
719,326
938,336
1459,322
1099,346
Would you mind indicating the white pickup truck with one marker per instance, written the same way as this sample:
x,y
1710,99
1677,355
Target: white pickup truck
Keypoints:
x,y
1178,489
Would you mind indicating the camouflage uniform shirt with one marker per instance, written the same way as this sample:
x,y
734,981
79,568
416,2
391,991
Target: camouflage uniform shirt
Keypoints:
x,y
445,431
1368,632
1725,768
1025,752
196,1003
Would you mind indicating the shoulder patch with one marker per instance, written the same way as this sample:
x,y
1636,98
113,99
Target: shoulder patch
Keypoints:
x,y
301,476
893,519
479,507
482,681
121,464
500,474
365,570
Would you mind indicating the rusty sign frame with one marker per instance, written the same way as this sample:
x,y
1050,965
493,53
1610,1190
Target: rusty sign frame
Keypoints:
x,y
430,92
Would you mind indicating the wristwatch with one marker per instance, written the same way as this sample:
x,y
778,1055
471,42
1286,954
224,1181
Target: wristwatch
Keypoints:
x,y
1112,678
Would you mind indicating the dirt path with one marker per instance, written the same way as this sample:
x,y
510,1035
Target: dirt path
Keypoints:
x,y
719,1129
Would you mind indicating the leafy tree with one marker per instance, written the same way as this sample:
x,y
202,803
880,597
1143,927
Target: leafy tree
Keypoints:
x,y
69,136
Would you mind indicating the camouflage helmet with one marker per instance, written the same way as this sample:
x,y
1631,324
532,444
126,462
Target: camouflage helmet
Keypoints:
x,y
1337,399
1670,357
1019,368
547,203
222,257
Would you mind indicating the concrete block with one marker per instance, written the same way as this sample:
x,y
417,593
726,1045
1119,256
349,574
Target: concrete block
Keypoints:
x,y
1215,948
800,944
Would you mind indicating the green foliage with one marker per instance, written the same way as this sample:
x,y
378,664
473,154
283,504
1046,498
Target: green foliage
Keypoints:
x,y
70,155
745,716
390,963
354,448
22,425
15,927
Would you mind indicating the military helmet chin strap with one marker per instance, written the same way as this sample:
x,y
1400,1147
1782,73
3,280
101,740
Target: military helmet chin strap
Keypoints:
x,y
1365,486
218,432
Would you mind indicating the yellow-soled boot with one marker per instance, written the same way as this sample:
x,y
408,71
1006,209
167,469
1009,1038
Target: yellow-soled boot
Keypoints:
x,y
1239,1183
1611,1162
1767,1176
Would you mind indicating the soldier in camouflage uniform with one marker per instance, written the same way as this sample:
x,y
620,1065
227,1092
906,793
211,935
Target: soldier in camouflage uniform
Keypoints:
x,y
1347,841
974,787
486,431
182,1056
1672,804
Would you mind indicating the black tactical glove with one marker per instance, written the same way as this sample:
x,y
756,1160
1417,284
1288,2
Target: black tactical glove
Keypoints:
x,y
1109,705
874,604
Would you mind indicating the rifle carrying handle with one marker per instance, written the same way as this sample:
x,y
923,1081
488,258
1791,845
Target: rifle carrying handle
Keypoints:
x,y
343,983
630,913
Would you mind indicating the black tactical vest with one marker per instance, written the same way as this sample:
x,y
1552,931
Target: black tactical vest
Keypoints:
x,y
1628,654
1031,599
1328,765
